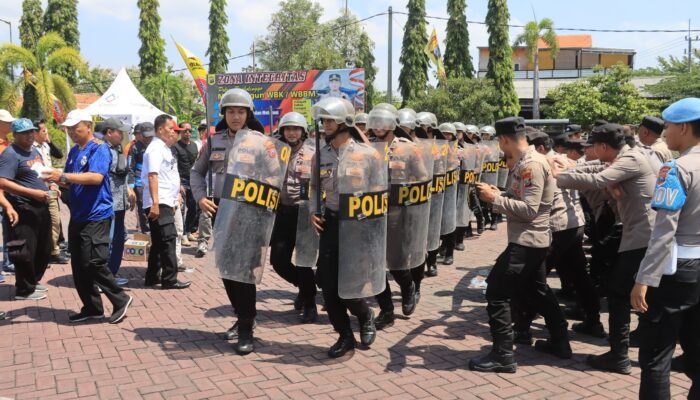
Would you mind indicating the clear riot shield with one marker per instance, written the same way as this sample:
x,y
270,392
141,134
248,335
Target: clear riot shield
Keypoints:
x,y
449,206
307,240
469,163
440,150
502,172
246,214
410,176
363,185
490,157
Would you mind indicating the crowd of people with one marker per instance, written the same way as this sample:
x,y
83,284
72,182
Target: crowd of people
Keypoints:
x,y
359,198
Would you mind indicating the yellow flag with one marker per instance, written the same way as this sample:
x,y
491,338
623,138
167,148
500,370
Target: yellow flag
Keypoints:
x,y
432,49
194,64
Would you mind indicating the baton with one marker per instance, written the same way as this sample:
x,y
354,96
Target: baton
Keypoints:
x,y
317,171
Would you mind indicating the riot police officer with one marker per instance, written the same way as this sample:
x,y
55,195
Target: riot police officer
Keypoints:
x,y
449,207
338,123
237,110
361,121
293,131
486,133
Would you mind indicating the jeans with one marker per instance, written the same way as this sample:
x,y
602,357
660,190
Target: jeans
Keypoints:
x,y
5,238
117,237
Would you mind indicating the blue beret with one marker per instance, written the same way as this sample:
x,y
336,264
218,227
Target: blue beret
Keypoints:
x,y
686,110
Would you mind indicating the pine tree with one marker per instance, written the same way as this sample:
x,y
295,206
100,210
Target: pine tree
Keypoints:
x,y
218,50
414,71
62,17
458,61
152,52
500,68
30,25
365,59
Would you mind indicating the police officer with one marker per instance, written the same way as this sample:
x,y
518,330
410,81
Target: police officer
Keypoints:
x,y
667,288
520,270
293,131
448,241
650,131
237,110
630,179
338,124
361,121
406,165
486,132
461,140
472,137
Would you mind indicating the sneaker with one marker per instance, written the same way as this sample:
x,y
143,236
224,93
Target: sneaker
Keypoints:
x,y
201,250
10,268
41,288
185,242
121,281
81,316
182,268
119,313
2,278
34,296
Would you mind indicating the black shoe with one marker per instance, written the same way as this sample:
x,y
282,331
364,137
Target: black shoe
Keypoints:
x,y
310,315
441,252
344,344
677,364
408,305
59,259
494,226
449,260
432,271
245,337
609,362
479,227
494,362
469,232
149,284
2,315
634,338
566,293
176,285
459,247
83,316
119,313
590,328
232,332
559,348
368,332
298,303
522,337
574,313
385,319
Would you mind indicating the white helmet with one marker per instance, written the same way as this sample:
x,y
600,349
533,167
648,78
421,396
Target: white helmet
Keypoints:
x,y
448,128
433,121
293,119
383,116
460,127
423,119
488,130
236,98
471,129
361,118
335,109
407,118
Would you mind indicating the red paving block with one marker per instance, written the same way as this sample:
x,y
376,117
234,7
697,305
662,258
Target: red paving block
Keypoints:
x,y
169,346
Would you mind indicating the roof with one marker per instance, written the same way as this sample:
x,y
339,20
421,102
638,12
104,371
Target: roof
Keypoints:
x,y
83,100
571,41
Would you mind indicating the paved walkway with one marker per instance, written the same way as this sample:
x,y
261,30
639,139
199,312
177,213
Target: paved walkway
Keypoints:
x,y
169,346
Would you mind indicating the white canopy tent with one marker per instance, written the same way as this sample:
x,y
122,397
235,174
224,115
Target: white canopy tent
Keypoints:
x,y
122,100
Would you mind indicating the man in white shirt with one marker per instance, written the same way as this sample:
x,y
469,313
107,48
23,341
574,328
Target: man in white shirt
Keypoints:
x,y
161,188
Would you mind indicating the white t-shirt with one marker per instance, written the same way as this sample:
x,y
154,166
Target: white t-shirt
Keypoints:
x,y
159,158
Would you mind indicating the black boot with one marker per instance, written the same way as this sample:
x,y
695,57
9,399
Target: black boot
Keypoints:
x,y
469,232
298,303
385,319
499,359
345,343
368,331
432,271
408,301
232,332
559,348
310,315
479,227
522,337
591,327
245,337
611,362
459,246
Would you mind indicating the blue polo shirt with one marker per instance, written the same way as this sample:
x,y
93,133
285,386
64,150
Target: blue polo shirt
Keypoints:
x,y
90,202
16,165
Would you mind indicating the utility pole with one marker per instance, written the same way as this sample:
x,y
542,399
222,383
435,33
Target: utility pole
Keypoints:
x,y
389,59
12,70
690,48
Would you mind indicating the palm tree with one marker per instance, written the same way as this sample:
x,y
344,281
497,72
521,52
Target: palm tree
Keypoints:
x,y
8,96
50,54
531,36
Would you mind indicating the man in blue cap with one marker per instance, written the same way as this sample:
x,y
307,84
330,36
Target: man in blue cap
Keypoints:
x,y
667,288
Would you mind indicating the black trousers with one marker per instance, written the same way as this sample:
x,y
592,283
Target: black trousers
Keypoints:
x,y
336,307
281,248
34,227
432,257
459,234
190,213
242,297
621,282
566,254
405,280
142,214
448,244
673,315
89,246
519,274
162,258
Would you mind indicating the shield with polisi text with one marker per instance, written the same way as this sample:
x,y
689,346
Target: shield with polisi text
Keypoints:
x,y
491,156
469,165
307,240
440,150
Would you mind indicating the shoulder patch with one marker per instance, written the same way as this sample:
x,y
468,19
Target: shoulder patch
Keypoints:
x,y
526,176
669,193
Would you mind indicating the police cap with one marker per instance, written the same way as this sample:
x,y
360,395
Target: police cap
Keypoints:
x,y
612,134
573,128
653,123
510,126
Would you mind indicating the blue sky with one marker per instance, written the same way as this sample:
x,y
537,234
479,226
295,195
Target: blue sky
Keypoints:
x,y
109,27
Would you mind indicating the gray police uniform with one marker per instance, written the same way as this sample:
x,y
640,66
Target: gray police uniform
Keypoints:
x,y
673,296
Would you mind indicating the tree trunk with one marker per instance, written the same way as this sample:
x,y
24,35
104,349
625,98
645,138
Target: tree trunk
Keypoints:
x,y
536,88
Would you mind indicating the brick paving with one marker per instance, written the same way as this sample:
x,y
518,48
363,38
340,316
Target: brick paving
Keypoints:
x,y
169,346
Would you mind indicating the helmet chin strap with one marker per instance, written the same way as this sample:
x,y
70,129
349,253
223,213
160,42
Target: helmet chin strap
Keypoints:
x,y
329,137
